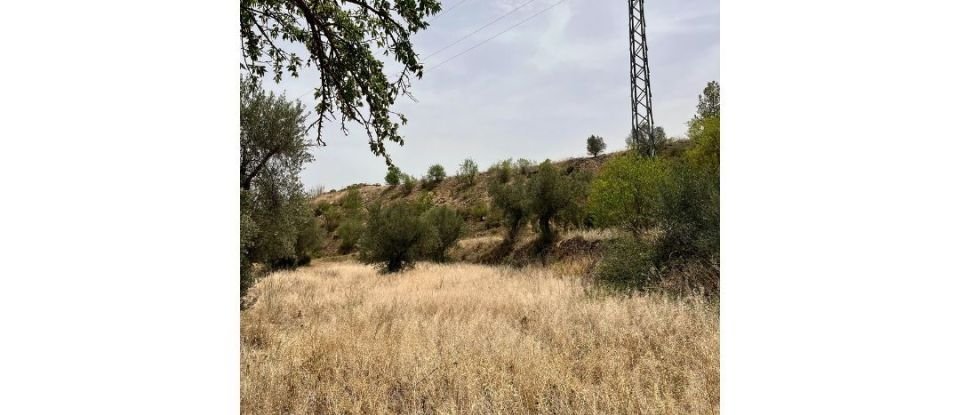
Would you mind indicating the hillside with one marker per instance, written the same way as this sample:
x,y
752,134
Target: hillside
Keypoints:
x,y
484,231
472,201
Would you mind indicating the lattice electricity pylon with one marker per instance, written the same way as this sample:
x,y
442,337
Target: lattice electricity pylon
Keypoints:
x,y
640,79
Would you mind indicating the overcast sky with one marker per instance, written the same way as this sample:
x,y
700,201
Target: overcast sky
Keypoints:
x,y
535,92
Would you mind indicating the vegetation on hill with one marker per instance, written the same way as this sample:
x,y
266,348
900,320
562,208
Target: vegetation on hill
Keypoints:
x,y
519,212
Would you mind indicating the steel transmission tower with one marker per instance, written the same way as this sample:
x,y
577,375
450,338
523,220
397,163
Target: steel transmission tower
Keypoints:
x,y
642,128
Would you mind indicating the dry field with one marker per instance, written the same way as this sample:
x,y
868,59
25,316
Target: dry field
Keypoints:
x,y
339,338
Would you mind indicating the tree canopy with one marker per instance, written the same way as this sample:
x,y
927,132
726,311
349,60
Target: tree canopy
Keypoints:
x,y
272,133
343,40
595,145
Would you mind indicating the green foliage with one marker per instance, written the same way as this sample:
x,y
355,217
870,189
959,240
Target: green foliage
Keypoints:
x,y
436,174
444,228
510,201
331,215
273,208
476,210
351,203
576,213
627,264
637,141
704,134
393,176
708,103
343,41
672,203
524,166
500,172
595,145
409,183
393,236
625,192
468,172
309,240
349,232
549,193
423,203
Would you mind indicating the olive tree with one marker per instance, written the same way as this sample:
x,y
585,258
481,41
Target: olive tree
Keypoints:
x,y
444,228
549,193
393,236
275,221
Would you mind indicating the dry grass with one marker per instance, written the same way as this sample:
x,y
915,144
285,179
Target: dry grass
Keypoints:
x,y
338,338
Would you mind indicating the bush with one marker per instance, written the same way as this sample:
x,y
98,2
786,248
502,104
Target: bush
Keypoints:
x,y
409,183
524,166
476,210
705,139
468,172
393,176
679,206
626,264
331,216
309,241
436,174
349,233
393,236
595,145
444,228
625,192
500,172
351,203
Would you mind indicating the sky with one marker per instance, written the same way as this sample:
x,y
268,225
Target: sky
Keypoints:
x,y
535,92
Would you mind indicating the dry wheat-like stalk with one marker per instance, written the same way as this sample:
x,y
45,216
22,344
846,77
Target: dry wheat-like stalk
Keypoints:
x,y
339,338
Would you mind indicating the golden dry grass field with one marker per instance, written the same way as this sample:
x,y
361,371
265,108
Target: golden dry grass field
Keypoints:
x,y
340,338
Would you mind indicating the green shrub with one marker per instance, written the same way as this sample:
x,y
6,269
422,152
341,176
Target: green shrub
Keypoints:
x,y
681,204
705,139
393,176
444,228
351,203
627,264
476,210
436,174
409,183
309,240
331,216
595,145
423,203
468,172
349,232
626,192
393,236
500,172
524,166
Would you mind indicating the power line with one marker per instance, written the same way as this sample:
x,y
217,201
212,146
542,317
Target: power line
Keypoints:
x,y
494,36
437,16
475,31
481,28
